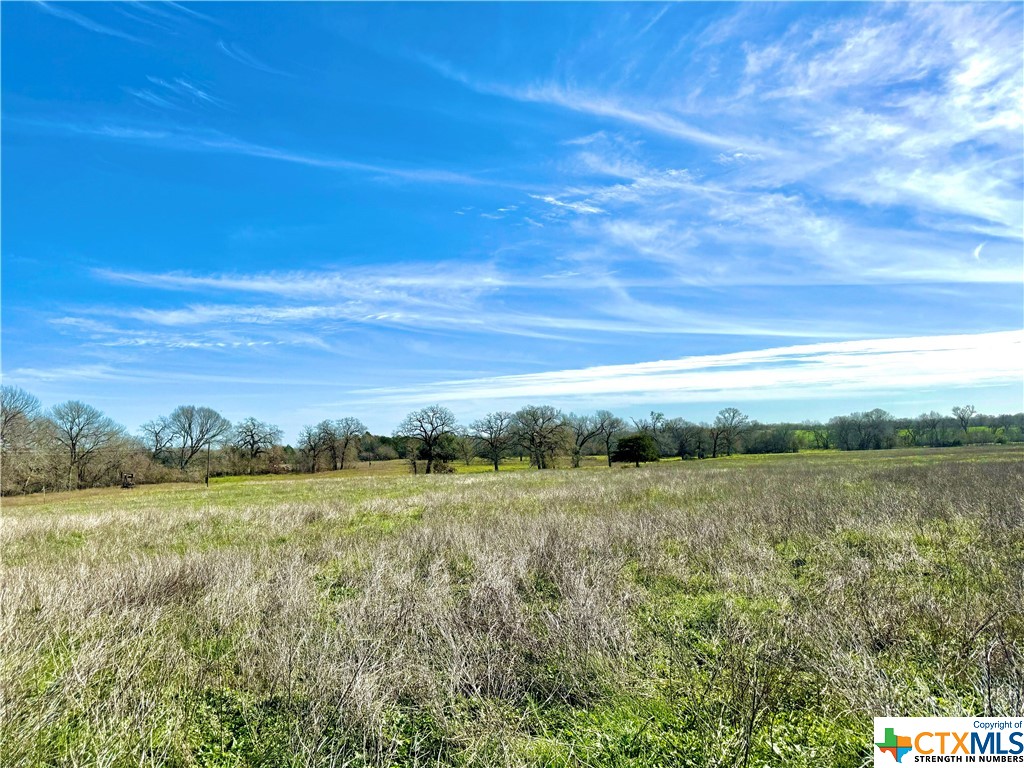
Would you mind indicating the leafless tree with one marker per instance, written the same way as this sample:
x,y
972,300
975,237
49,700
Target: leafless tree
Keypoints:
x,y
20,458
877,429
18,409
729,425
311,445
341,438
657,426
495,433
82,431
428,426
540,429
611,427
863,431
347,432
195,428
686,438
908,432
964,414
254,438
158,437
652,425
716,436
466,445
581,430
329,440
931,423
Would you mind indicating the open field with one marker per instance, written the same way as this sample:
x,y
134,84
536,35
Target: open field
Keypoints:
x,y
744,611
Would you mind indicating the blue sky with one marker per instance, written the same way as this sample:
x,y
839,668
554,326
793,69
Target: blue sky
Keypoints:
x,y
304,211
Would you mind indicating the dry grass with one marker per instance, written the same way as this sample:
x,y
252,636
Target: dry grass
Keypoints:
x,y
737,612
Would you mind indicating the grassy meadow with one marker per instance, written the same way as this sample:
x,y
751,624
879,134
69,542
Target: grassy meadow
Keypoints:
x,y
748,611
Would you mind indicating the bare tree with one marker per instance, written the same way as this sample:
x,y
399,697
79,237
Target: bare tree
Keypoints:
x,y
581,430
311,444
254,438
195,428
931,423
158,437
686,438
540,429
730,424
652,425
347,432
964,414
877,429
328,438
844,433
716,436
611,427
82,431
466,446
428,426
20,460
908,432
411,447
495,433
18,409
341,438
657,426
862,431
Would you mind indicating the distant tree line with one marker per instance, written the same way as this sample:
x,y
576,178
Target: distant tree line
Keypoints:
x,y
74,445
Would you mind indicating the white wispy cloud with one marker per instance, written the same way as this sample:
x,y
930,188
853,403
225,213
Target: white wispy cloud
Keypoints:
x,y
219,335
174,16
445,278
62,12
917,105
189,140
147,96
647,117
186,90
603,105
737,157
86,372
104,372
237,53
153,8
575,206
915,111
780,373
585,306
744,230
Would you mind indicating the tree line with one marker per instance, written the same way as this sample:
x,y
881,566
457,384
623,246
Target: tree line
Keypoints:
x,y
75,445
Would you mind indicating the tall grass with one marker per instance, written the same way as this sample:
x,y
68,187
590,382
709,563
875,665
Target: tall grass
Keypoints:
x,y
754,612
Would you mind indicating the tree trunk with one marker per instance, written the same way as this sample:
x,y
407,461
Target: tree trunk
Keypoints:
x,y
71,468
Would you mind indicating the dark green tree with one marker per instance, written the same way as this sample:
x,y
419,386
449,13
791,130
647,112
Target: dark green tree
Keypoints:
x,y
636,448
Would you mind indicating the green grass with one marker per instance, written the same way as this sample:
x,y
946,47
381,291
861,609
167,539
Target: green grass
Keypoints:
x,y
749,610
